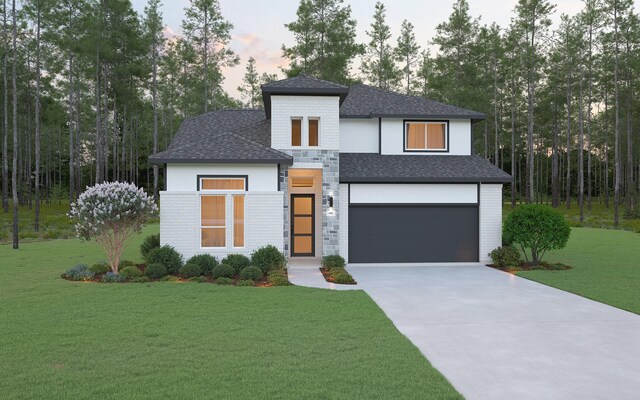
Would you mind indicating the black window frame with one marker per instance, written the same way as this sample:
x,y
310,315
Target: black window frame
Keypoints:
x,y
404,136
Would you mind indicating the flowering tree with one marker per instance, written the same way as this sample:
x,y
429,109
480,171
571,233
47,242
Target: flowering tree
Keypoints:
x,y
110,212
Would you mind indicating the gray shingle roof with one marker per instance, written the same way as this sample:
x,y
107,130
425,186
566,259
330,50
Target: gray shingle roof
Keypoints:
x,y
366,101
367,167
303,82
223,136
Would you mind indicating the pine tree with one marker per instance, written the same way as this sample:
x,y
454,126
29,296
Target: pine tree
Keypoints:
x,y
325,41
378,65
250,88
407,53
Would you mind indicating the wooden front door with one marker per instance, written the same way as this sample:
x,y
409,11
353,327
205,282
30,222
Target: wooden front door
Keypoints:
x,y
303,225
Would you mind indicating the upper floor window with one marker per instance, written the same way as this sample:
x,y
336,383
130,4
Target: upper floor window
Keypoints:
x,y
425,136
296,132
314,131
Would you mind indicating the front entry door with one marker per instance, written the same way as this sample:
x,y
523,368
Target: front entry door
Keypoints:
x,y
302,225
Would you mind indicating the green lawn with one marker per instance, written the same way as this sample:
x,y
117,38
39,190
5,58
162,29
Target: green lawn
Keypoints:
x,y
606,267
61,339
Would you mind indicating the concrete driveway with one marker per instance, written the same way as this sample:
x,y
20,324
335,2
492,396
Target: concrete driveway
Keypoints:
x,y
496,336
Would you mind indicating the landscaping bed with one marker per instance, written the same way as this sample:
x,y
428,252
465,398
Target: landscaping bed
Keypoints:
x,y
333,270
543,266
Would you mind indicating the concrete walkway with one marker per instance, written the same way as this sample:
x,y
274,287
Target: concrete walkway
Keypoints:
x,y
305,272
496,336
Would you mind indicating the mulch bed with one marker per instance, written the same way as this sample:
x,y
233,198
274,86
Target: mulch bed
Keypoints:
x,y
329,278
543,266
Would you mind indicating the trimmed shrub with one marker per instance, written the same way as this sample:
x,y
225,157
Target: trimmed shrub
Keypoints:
x,y
245,283
167,256
223,270
169,278
536,228
251,273
156,271
343,277
278,278
100,268
111,277
78,273
126,263
237,261
149,243
190,270
268,258
130,272
504,257
206,262
335,271
334,261
198,279
224,281
140,279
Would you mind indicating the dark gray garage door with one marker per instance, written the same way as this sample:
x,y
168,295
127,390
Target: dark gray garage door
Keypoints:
x,y
413,234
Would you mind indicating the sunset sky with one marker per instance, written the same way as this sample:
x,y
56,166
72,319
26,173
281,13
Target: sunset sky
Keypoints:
x,y
259,25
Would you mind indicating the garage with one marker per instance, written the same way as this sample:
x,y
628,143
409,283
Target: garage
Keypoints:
x,y
413,233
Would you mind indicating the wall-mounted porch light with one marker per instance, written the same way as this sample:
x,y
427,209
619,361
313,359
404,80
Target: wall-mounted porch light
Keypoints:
x,y
331,211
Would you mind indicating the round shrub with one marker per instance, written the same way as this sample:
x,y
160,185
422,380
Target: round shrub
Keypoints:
x,y
334,261
140,279
268,258
245,283
223,270
167,256
237,261
78,273
506,256
100,268
278,278
170,278
251,273
343,277
206,262
335,271
111,277
224,281
536,228
198,279
190,270
130,272
126,263
149,243
155,271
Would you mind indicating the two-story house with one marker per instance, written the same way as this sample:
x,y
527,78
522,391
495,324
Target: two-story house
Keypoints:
x,y
372,175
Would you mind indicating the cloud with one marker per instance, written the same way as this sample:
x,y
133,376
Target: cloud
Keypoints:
x,y
251,45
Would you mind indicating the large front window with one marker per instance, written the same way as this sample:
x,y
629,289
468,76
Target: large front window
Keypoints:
x,y
426,136
218,193
213,221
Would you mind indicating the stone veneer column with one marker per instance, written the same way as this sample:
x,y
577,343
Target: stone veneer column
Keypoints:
x,y
330,160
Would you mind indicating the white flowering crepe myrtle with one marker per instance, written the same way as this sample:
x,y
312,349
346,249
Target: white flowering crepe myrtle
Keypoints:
x,y
110,212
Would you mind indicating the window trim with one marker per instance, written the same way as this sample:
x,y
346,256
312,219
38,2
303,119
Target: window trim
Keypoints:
x,y
201,227
309,119
405,123
244,221
200,177
301,119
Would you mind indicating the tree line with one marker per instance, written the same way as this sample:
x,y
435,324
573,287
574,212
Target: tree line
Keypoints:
x,y
90,88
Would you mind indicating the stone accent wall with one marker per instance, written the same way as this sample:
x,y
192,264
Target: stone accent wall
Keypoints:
x,y
330,160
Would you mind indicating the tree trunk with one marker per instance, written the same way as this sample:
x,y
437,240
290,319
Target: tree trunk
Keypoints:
x,y
589,103
155,114
617,161
568,162
581,144
206,61
555,189
37,180
5,115
14,170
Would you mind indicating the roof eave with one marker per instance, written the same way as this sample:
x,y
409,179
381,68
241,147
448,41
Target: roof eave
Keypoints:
x,y
162,161
424,180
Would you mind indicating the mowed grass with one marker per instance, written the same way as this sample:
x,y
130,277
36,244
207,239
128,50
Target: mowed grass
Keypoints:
x,y
606,267
68,340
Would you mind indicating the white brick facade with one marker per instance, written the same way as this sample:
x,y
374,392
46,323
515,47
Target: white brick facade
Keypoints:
x,y
490,219
284,108
343,233
180,222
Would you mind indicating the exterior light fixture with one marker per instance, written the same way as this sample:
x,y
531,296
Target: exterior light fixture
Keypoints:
x,y
331,211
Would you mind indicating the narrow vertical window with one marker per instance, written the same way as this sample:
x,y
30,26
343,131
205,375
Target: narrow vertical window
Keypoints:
x,y
296,132
238,221
213,221
313,131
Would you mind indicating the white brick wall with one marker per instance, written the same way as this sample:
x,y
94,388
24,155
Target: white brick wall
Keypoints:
x,y
343,233
490,219
180,222
326,108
